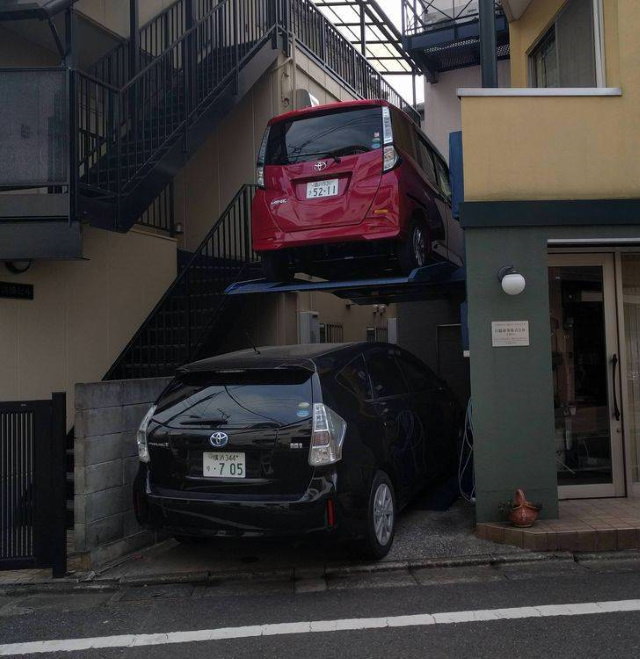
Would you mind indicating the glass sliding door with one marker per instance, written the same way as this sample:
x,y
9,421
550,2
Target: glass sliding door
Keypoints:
x,y
630,267
585,363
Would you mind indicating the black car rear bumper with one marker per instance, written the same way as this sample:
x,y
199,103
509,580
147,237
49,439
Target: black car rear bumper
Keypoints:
x,y
182,513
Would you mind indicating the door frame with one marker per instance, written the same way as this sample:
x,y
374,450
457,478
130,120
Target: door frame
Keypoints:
x,y
611,287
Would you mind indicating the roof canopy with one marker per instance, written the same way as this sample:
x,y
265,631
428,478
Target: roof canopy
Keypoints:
x,y
370,30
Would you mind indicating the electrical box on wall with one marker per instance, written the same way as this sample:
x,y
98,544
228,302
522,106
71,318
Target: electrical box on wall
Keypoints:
x,y
308,327
392,330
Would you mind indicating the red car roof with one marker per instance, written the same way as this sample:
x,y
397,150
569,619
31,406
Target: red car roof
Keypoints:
x,y
332,106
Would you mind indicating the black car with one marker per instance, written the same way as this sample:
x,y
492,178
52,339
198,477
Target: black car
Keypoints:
x,y
333,438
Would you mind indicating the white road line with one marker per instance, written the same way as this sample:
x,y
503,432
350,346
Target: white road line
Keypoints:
x,y
315,626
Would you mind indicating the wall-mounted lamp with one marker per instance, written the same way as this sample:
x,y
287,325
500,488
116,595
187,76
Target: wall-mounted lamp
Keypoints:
x,y
512,282
17,267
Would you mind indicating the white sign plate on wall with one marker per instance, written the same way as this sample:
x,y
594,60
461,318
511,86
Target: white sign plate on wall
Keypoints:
x,y
509,333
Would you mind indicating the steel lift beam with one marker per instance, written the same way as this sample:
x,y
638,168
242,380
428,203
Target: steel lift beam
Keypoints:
x,y
426,283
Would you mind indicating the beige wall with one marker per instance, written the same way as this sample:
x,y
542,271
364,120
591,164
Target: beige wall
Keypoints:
x,y
83,313
354,318
548,147
16,51
442,105
114,14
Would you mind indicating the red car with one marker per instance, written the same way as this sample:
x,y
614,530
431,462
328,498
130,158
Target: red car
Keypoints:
x,y
349,188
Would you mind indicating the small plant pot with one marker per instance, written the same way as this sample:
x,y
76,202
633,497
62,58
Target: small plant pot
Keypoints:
x,y
524,515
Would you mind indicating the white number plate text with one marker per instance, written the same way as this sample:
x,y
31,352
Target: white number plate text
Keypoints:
x,y
223,465
316,189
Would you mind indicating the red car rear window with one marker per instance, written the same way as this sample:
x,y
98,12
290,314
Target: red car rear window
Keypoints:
x,y
331,134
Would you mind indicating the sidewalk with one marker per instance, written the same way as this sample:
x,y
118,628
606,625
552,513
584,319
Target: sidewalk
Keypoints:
x,y
424,539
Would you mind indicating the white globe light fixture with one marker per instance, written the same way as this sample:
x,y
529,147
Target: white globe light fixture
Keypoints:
x,y
513,283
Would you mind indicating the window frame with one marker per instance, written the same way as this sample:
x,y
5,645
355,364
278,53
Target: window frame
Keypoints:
x,y
598,46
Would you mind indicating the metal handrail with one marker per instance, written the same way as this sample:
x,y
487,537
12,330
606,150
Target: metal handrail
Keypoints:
x,y
179,324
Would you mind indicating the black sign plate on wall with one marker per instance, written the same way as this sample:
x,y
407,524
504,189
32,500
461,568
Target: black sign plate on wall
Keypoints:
x,y
16,291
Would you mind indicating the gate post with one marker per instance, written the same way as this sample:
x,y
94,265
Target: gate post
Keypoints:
x,y
58,482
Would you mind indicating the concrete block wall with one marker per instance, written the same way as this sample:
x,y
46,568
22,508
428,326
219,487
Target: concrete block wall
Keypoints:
x,y
106,461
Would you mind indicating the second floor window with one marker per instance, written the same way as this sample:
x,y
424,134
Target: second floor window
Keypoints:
x,y
566,54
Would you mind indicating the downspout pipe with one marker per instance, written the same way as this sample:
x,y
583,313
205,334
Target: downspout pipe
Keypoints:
x,y
488,56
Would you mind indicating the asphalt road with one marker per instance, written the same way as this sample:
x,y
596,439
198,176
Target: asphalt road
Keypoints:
x,y
185,607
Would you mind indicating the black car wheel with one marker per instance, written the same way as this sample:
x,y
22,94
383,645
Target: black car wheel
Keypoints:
x,y
275,266
414,250
381,518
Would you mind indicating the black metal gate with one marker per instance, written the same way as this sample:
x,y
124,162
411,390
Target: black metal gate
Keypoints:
x,y
32,484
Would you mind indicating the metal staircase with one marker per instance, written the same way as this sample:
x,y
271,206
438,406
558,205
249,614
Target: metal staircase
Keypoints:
x,y
133,137
194,312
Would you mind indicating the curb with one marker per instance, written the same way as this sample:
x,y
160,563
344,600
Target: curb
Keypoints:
x,y
93,583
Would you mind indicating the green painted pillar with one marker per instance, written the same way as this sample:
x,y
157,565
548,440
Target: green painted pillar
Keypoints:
x,y
511,387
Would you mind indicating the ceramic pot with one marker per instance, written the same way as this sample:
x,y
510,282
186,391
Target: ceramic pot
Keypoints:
x,y
523,513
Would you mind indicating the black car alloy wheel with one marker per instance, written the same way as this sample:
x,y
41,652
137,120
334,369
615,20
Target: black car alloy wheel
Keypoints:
x,y
381,518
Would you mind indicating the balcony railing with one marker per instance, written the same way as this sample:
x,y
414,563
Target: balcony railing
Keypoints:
x,y
420,16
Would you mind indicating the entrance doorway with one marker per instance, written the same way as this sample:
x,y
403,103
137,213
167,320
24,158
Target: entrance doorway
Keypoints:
x,y
586,376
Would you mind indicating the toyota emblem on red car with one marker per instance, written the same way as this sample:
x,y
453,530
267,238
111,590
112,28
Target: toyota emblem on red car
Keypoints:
x,y
320,165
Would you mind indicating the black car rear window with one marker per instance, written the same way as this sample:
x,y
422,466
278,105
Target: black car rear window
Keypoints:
x,y
237,399
336,133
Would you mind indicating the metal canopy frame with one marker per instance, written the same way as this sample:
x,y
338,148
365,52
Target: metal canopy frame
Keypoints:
x,y
365,24
426,283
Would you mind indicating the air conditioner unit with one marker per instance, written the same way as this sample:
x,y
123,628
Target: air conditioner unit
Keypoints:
x,y
392,330
305,99
308,327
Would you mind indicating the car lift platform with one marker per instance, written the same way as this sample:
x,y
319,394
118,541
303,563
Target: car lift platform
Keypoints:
x,y
429,282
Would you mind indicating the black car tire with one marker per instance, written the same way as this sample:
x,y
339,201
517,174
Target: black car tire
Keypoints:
x,y
275,266
377,541
413,251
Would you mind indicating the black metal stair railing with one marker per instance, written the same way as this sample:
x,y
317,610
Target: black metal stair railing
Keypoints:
x,y
186,317
124,131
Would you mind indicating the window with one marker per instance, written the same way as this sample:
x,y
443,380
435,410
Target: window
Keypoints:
x,y
566,54
385,374
425,159
403,133
245,398
330,333
338,132
375,334
354,377
443,177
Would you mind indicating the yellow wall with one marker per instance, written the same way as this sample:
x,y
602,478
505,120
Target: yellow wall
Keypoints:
x,y
547,147
83,313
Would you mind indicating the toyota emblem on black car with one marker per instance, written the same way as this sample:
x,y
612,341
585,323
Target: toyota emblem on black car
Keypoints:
x,y
219,439
320,165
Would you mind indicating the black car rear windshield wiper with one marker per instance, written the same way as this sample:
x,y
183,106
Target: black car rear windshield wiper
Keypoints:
x,y
200,421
